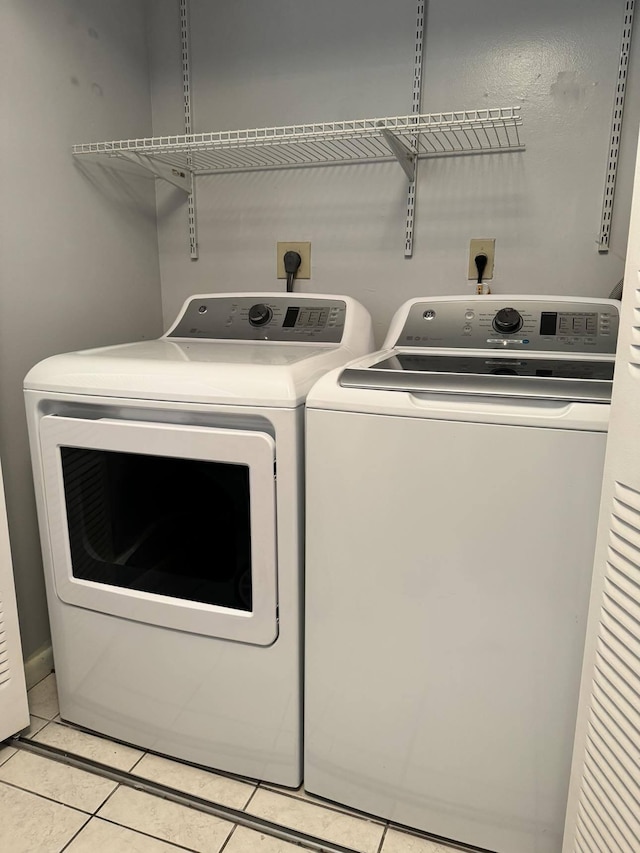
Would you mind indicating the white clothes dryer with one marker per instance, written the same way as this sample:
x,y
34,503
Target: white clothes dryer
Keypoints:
x,y
169,483
453,485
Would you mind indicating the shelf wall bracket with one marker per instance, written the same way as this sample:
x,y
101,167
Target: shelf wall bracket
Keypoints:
x,y
403,155
416,109
616,130
186,90
180,178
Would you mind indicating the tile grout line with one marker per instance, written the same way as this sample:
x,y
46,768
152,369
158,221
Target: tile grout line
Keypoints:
x,y
327,805
148,752
106,800
6,745
225,843
40,680
45,797
76,834
140,783
384,835
136,762
146,834
226,813
123,826
449,845
251,796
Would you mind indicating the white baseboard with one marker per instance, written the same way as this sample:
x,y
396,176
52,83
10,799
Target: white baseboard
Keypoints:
x,y
38,666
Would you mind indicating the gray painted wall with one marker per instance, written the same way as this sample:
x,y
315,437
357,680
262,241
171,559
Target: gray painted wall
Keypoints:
x,y
79,259
258,64
78,245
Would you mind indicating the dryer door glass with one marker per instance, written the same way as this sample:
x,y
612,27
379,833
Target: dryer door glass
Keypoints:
x,y
175,527
167,524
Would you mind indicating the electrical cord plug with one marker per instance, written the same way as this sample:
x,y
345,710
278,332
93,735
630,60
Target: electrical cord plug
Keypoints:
x,y
481,264
292,261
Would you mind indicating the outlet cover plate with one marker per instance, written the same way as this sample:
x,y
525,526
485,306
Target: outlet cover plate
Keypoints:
x,y
482,246
303,249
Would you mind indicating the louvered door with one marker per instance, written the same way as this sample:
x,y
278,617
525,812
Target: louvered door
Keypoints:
x,y
13,695
603,814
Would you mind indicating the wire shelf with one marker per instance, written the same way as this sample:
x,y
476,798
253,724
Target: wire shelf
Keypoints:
x,y
360,140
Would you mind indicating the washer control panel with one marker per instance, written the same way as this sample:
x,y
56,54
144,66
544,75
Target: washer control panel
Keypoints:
x,y
273,318
515,324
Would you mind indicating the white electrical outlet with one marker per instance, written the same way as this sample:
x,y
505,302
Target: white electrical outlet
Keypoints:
x,y
303,249
482,246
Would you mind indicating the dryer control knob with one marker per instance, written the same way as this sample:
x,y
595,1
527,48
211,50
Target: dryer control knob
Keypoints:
x,y
507,321
260,314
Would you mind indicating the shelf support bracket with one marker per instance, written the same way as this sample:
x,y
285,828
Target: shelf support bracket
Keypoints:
x,y
180,178
616,130
416,109
403,155
186,91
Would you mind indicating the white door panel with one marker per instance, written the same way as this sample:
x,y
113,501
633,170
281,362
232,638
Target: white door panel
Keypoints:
x,y
253,451
603,812
14,714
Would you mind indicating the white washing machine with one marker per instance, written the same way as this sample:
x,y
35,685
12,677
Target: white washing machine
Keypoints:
x,y
169,483
453,484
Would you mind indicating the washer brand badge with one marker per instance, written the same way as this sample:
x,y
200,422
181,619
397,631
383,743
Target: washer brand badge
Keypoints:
x,y
429,314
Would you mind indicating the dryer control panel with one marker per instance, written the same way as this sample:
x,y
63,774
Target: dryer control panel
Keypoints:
x,y
515,323
262,317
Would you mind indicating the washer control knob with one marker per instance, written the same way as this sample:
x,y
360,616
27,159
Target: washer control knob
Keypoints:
x,y
507,321
260,314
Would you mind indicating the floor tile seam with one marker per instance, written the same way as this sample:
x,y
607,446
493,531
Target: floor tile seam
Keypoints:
x,y
105,801
9,757
225,843
73,728
382,840
251,796
33,736
245,780
223,813
40,680
45,797
446,843
135,763
76,834
143,832
38,717
41,716
330,807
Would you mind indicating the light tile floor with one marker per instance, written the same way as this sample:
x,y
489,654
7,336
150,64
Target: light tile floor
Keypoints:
x,y
48,807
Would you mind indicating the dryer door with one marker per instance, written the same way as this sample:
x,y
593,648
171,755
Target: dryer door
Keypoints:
x,y
166,524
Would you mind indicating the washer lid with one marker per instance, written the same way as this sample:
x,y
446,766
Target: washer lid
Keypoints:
x,y
239,373
550,378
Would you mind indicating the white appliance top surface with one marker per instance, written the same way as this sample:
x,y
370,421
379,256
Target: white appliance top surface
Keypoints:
x,y
543,359
206,352
276,365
